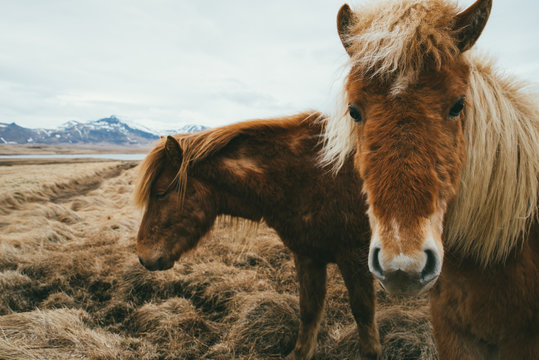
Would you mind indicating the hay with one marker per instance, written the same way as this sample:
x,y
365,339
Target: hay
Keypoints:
x,y
62,334
175,325
71,287
267,325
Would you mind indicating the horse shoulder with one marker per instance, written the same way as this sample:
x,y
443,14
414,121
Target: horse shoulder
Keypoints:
x,y
497,305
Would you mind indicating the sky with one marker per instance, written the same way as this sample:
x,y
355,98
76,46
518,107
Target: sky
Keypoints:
x,y
166,63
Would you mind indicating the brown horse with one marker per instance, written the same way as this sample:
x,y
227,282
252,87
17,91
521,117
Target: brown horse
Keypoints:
x,y
263,170
448,149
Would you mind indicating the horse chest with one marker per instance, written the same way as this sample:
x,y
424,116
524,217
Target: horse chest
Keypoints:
x,y
492,306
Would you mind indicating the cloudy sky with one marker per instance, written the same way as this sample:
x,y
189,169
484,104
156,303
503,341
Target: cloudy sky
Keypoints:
x,y
164,63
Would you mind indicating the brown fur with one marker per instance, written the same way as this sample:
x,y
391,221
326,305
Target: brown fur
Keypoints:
x,y
407,68
265,170
481,313
389,146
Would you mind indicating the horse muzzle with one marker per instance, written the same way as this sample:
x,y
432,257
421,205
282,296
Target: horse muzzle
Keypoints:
x,y
157,264
403,275
402,283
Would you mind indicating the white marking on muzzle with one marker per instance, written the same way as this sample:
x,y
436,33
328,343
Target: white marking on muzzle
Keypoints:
x,y
405,263
430,253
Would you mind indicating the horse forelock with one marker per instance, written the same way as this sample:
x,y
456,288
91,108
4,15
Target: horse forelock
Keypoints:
x,y
398,39
147,172
390,41
498,195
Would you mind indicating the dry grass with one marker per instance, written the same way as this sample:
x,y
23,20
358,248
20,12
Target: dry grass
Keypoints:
x,y
28,178
28,149
71,285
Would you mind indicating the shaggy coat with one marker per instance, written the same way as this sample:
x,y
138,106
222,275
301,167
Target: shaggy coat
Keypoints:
x,y
264,170
448,149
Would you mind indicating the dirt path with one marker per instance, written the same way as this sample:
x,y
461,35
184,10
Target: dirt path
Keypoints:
x,y
54,188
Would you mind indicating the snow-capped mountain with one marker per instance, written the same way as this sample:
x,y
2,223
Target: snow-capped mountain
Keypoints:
x,y
184,129
109,130
15,134
189,128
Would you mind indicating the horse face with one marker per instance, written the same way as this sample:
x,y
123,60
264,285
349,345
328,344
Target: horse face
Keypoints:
x,y
411,151
170,228
410,154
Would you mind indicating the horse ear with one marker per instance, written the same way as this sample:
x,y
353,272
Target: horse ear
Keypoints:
x,y
173,150
470,23
345,19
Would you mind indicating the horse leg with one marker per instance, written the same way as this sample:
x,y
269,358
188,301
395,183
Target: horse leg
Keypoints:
x,y
312,293
360,285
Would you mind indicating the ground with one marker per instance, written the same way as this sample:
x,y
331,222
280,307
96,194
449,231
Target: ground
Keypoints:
x,y
71,285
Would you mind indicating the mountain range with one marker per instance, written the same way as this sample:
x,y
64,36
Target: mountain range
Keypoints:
x,y
110,130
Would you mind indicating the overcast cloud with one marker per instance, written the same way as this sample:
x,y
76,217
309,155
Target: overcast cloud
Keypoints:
x,y
164,63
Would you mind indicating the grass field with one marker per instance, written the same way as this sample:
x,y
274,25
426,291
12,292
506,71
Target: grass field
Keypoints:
x,y
34,149
71,286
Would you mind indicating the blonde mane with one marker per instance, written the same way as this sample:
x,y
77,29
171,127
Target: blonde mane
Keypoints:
x,y
400,38
497,199
199,146
393,40
498,194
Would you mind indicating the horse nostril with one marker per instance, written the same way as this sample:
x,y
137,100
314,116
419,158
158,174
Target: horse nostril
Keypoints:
x,y
430,270
140,261
376,267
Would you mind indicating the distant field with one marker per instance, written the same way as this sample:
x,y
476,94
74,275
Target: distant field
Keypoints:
x,y
53,149
71,286
30,177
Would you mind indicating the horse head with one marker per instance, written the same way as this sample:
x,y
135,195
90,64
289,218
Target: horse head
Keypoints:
x,y
405,96
176,216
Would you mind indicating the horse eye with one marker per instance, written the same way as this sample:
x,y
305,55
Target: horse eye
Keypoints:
x,y
161,195
354,113
457,108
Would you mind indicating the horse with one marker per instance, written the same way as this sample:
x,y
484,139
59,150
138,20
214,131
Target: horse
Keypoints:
x,y
264,169
447,148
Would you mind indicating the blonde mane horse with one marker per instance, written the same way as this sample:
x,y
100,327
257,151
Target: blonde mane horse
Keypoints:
x,y
448,151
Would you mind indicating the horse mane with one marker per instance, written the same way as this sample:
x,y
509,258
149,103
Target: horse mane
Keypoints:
x,y
392,40
400,38
148,170
199,146
497,198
